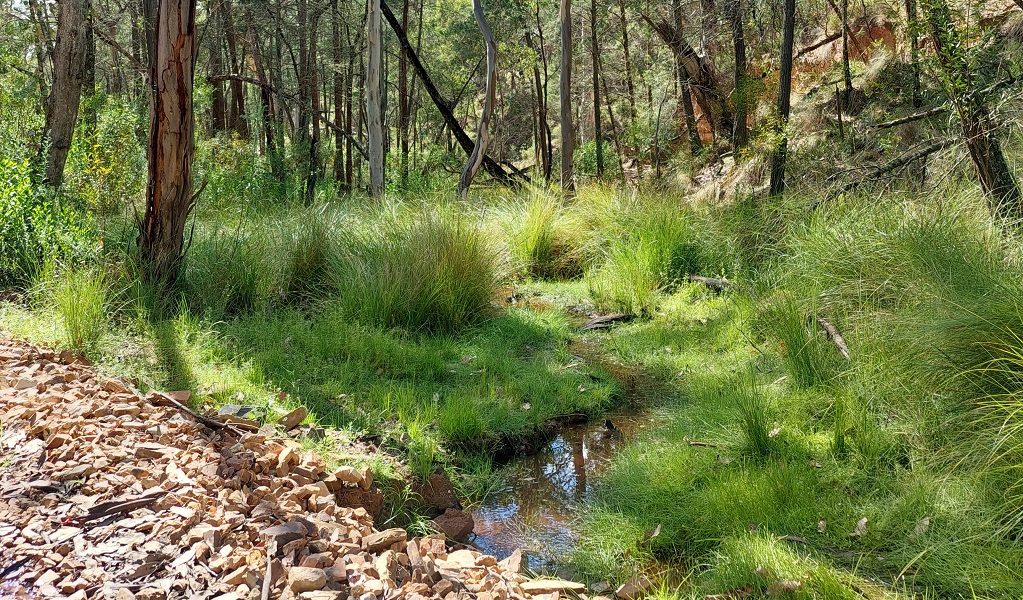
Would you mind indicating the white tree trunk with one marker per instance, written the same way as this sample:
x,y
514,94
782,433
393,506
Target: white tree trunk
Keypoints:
x,y
374,124
482,135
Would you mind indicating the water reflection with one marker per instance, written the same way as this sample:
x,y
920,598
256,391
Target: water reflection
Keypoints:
x,y
537,509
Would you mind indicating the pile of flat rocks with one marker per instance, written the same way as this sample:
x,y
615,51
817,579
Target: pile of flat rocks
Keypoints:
x,y
106,493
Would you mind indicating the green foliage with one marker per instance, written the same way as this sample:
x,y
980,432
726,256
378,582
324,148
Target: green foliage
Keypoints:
x,y
36,227
659,245
541,240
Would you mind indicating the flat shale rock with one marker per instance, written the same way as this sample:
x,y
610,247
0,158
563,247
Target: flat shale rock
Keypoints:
x,y
105,494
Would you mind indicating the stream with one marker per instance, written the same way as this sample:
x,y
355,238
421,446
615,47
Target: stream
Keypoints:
x,y
537,508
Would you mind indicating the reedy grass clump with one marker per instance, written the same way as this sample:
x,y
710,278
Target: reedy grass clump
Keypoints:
x,y
430,272
542,241
78,298
652,249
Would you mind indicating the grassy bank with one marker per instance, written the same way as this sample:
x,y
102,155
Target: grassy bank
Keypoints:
x,y
894,473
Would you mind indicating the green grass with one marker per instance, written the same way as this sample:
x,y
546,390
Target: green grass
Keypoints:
x,y
386,322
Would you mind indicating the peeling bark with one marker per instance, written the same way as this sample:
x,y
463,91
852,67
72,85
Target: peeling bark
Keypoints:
x,y
169,197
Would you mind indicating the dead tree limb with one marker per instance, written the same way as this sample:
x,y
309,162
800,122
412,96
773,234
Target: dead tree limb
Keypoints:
x,y
897,163
493,168
345,133
910,118
817,44
832,333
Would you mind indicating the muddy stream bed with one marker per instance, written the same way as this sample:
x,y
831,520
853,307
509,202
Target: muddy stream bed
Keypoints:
x,y
536,510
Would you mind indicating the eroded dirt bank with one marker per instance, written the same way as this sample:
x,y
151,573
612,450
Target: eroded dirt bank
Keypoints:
x,y
105,493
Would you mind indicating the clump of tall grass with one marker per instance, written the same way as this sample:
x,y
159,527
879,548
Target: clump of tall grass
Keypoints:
x,y
808,357
754,416
228,272
541,241
657,248
78,297
424,272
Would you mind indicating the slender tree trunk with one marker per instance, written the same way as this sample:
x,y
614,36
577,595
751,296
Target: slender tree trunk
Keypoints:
x,y
312,74
403,99
169,197
784,97
914,49
598,137
89,76
685,86
628,64
375,126
482,134
740,133
218,110
339,90
66,90
567,141
543,131
271,124
846,70
979,130
544,121
236,60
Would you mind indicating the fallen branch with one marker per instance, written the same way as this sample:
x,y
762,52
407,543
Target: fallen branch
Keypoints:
x,y
910,118
698,443
718,285
605,321
113,507
817,44
897,163
344,132
833,334
163,400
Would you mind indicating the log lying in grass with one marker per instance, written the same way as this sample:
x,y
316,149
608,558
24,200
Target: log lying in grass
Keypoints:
x,y
910,118
605,321
716,284
833,335
896,163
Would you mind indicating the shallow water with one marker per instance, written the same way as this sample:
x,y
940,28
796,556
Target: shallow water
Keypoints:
x,y
536,511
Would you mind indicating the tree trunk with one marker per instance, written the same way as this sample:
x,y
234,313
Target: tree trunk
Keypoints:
x,y
270,122
951,50
482,134
784,97
89,75
685,85
704,86
169,197
374,124
846,70
339,90
218,109
543,131
630,85
312,74
740,133
66,90
565,91
403,99
914,50
598,137
236,60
